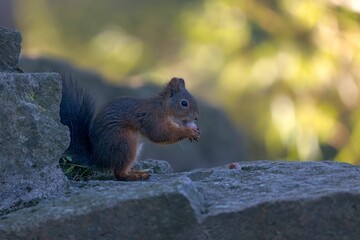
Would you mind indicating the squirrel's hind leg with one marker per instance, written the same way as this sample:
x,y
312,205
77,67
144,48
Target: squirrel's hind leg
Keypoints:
x,y
124,172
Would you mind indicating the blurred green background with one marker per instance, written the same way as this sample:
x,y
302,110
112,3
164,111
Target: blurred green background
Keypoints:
x,y
287,72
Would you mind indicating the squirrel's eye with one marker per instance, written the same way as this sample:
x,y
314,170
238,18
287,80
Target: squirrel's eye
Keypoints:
x,y
184,103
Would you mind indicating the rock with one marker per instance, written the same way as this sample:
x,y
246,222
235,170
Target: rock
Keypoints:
x,y
112,210
154,166
218,145
260,200
282,200
10,48
31,138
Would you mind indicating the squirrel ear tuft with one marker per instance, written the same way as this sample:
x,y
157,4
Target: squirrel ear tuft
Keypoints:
x,y
176,84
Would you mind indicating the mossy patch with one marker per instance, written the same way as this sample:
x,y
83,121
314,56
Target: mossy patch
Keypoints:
x,y
77,172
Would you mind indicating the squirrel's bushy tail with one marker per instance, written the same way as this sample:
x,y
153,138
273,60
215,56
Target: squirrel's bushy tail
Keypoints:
x,y
77,111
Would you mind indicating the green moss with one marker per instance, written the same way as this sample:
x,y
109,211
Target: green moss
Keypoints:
x,y
79,172
31,96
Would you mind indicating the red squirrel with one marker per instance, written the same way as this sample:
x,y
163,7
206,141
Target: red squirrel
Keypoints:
x,y
110,138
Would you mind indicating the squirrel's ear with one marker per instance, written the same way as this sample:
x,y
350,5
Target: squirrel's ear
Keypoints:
x,y
176,84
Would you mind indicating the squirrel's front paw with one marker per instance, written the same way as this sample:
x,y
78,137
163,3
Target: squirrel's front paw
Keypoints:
x,y
194,135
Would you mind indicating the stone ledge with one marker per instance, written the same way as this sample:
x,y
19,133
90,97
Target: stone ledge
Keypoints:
x,y
260,200
113,209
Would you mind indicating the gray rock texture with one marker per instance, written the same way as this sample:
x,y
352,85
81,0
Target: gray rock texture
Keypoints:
x,y
258,200
31,138
10,48
154,166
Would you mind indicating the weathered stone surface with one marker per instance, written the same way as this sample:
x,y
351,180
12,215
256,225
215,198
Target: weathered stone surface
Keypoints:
x,y
282,200
112,210
31,138
261,200
10,48
154,166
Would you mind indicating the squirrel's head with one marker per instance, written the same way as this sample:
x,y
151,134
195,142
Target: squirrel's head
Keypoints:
x,y
180,103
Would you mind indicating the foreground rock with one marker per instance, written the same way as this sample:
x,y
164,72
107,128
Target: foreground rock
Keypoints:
x,y
260,200
31,138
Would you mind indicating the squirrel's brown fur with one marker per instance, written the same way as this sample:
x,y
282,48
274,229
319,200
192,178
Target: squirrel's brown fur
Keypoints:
x,y
114,133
